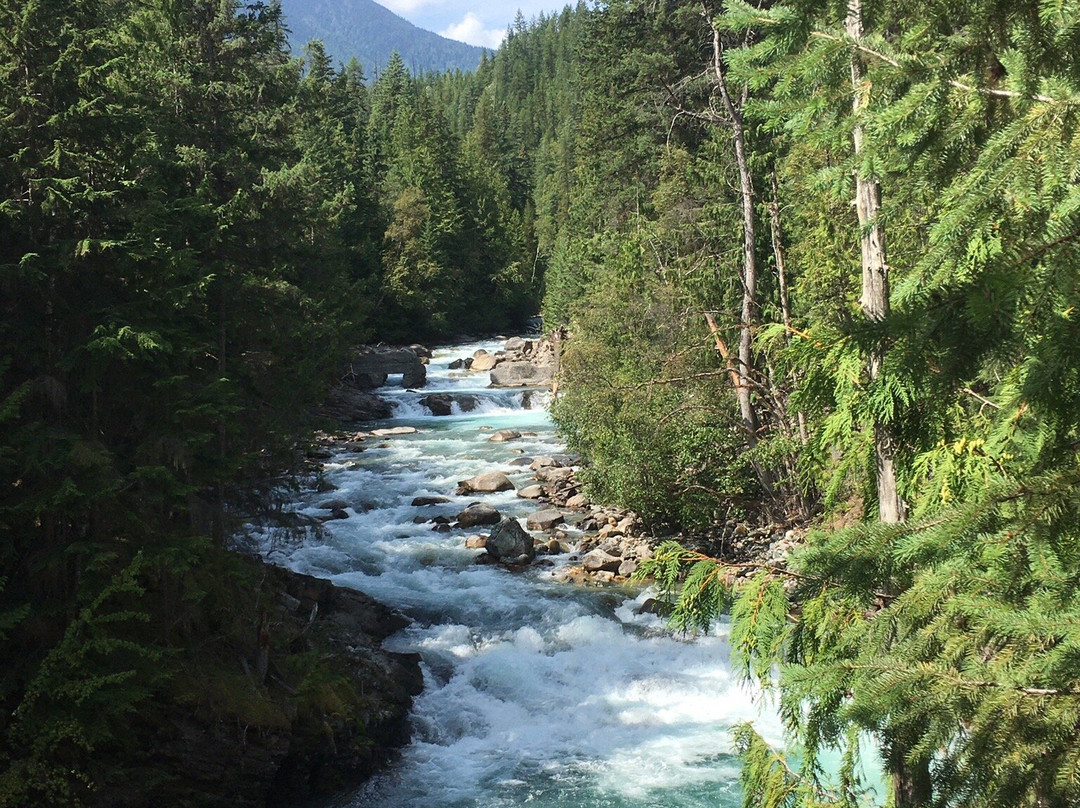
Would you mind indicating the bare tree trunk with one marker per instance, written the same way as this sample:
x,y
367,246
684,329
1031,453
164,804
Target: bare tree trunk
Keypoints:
x,y
912,784
781,276
751,312
875,278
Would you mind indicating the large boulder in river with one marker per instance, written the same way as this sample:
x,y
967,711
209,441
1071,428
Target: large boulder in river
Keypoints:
x,y
543,520
477,514
484,361
521,374
503,435
509,542
518,345
443,403
487,483
370,366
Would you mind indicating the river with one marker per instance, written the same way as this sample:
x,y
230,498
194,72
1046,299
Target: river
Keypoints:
x,y
536,692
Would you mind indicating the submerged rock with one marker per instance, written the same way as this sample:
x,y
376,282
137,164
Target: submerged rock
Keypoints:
x,y
421,502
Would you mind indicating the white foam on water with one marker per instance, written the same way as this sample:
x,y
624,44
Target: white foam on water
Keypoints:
x,y
535,692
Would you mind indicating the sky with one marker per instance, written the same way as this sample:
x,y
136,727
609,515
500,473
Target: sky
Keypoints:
x,y
478,22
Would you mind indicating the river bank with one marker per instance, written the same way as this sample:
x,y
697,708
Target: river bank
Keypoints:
x,y
535,690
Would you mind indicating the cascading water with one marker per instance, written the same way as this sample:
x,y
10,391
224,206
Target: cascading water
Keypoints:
x,y
536,692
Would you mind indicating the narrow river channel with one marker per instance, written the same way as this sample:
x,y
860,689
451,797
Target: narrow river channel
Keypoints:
x,y
536,692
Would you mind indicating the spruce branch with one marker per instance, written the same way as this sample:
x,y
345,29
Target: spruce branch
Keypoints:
x,y
988,91
926,670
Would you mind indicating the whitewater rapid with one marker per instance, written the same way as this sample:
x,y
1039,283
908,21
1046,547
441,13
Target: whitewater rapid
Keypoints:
x,y
536,692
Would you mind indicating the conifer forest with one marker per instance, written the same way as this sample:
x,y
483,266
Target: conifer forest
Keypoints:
x,y
813,264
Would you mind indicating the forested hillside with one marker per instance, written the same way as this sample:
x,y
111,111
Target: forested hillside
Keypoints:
x,y
194,229
371,34
817,265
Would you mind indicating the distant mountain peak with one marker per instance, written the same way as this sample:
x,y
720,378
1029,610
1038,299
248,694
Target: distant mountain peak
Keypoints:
x,y
369,32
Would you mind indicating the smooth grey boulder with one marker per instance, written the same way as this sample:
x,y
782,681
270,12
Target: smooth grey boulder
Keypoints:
x,y
520,374
598,560
478,513
487,483
543,520
484,361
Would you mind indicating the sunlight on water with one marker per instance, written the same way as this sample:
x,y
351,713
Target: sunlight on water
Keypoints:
x,y
536,693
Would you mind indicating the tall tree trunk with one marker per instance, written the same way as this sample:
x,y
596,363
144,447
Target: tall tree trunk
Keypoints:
x,y
912,785
779,254
751,312
875,277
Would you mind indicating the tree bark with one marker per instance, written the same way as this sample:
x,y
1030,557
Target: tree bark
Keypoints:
x,y
875,277
779,254
912,784
751,311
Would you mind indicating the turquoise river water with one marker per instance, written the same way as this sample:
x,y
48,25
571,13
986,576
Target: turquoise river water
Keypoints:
x,y
537,692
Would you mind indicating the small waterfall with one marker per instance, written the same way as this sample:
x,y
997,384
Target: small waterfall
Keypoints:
x,y
536,692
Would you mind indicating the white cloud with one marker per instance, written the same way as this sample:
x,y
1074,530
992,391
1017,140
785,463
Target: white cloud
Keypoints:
x,y
471,29
407,6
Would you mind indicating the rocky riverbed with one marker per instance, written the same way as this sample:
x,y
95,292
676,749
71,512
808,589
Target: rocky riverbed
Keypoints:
x,y
464,511
608,543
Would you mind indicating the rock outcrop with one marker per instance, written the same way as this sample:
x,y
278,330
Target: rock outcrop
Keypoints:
x,y
521,374
256,737
525,363
349,404
370,367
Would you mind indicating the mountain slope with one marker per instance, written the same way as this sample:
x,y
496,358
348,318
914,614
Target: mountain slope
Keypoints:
x,y
369,32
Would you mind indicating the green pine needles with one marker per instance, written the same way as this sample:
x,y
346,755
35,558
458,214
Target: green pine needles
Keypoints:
x,y
954,638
